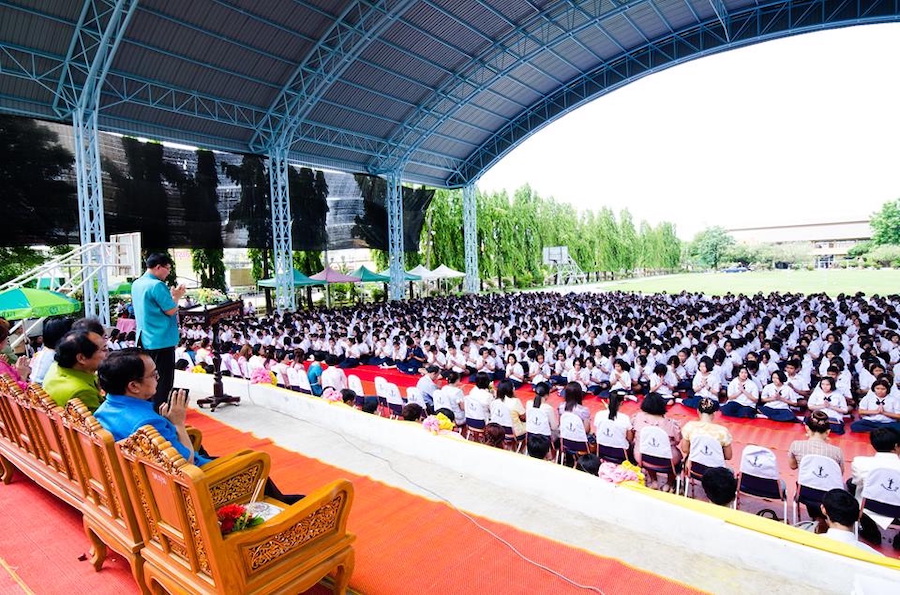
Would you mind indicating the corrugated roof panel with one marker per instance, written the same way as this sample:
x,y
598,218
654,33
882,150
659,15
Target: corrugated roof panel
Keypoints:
x,y
28,30
477,17
364,102
496,103
647,20
406,91
577,54
424,72
177,122
436,50
335,117
623,32
676,12
469,116
598,41
554,65
434,23
294,16
444,146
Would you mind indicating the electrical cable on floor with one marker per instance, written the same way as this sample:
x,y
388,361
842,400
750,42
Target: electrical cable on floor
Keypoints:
x,y
466,515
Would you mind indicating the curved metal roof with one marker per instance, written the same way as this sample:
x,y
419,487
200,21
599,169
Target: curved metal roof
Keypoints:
x,y
440,88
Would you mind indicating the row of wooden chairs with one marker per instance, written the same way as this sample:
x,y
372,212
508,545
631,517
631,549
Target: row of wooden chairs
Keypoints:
x,y
142,499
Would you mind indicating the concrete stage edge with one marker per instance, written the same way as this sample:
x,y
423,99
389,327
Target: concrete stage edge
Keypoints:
x,y
668,520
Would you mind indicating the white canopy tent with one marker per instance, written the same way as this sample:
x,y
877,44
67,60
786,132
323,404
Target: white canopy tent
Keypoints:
x,y
445,272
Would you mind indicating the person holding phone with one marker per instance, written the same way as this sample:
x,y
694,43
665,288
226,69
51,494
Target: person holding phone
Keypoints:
x,y
156,316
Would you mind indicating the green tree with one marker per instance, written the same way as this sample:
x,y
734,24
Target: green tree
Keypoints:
x,y
886,224
209,264
17,260
629,241
710,245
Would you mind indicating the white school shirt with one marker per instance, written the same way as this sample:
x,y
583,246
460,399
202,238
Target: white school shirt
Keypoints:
x,y
749,387
817,399
785,391
870,401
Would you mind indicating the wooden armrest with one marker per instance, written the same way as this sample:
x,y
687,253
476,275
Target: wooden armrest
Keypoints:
x,y
196,437
234,478
317,523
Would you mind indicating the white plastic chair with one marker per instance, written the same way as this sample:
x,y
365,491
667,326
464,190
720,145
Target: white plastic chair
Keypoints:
x,y
394,400
706,453
572,436
355,384
817,475
537,421
612,439
439,399
881,497
413,395
500,414
656,453
476,418
759,477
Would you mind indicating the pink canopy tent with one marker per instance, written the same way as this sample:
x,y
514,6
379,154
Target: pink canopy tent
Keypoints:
x,y
329,275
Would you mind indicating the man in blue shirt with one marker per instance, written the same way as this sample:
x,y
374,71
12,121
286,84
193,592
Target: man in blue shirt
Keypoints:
x,y
130,379
156,317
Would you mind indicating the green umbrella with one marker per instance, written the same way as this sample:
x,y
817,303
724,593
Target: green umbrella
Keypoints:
x,y
23,302
123,288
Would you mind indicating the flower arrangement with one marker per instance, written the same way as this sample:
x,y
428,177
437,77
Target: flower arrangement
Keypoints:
x,y
209,297
331,395
262,376
198,369
235,517
436,423
620,473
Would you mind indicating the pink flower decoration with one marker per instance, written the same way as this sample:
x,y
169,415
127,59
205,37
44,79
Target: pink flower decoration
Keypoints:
x,y
432,424
261,376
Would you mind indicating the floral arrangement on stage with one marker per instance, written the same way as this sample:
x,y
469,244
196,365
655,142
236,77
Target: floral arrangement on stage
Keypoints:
x,y
621,473
235,517
262,376
198,369
331,395
436,423
210,297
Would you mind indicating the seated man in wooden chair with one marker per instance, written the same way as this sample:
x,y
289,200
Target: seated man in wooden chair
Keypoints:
x,y
129,377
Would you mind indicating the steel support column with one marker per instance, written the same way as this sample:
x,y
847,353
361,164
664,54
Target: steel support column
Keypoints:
x,y
92,229
282,245
470,237
395,234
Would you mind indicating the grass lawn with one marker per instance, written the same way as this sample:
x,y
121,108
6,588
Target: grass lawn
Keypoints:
x,y
832,282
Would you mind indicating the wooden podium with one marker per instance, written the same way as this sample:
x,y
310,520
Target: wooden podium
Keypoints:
x,y
212,316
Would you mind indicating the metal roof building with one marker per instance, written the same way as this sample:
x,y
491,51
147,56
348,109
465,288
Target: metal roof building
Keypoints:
x,y
424,91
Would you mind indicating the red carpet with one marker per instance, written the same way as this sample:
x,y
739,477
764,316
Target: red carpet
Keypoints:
x,y
407,544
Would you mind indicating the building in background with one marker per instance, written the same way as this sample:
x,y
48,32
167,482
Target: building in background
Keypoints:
x,y
829,242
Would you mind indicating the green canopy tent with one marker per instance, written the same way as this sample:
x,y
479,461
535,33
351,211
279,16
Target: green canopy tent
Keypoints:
x,y
407,276
367,276
300,280
123,288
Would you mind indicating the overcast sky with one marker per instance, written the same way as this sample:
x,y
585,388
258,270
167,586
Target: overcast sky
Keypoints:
x,y
804,129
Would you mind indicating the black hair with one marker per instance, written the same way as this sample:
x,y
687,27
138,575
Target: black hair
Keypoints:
x,y
370,405
780,375
538,446
884,439
720,485
120,368
574,395
73,344
818,422
708,405
482,380
159,259
660,369
654,404
348,395
446,413
89,324
412,412
505,389
841,507
55,329
615,399
541,390
589,463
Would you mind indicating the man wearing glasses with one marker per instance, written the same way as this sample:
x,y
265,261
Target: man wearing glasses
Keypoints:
x,y
156,316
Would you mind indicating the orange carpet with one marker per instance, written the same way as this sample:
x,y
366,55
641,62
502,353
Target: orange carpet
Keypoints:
x,y
407,544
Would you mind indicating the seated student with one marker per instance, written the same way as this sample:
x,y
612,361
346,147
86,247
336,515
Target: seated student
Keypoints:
x,y
620,379
453,395
427,384
743,396
878,409
886,443
719,485
78,355
828,400
538,446
706,427
705,384
841,513
663,382
415,358
412,412
333,375
129,377
777,398
589,463
54,330
314,373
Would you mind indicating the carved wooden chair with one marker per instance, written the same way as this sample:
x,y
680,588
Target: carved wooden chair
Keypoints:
x,y
184,550
109,517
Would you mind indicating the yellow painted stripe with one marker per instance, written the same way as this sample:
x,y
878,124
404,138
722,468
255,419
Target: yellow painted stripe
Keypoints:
x,y
12,573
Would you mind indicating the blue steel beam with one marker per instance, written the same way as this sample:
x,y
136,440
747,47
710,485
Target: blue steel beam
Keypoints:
x,y
350,34
749,26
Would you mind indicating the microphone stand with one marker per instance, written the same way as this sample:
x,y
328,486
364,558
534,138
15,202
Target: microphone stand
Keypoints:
x,y
218,397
